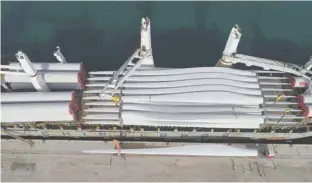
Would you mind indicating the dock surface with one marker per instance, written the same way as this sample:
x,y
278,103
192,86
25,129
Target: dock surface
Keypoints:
x,y
64,161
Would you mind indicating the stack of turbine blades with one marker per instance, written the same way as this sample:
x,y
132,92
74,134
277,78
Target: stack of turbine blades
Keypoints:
x,y
183,89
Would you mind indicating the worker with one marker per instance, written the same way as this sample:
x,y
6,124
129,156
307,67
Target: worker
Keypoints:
x,y
117,146
116,99
268,154
279,98
288,110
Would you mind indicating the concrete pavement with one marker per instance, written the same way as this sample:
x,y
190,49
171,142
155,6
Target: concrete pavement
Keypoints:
x,y
63,161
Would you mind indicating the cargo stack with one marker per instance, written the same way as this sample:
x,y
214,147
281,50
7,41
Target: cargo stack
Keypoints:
x,y
58,76
41,92
29,107
191,97
305,102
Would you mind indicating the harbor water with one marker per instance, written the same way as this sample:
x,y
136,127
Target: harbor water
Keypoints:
x,y
104,34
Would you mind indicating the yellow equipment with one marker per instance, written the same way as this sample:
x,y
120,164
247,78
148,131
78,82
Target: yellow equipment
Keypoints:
x,y
279,98
287,110
116,98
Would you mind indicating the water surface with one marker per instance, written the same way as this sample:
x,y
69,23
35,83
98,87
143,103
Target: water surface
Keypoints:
x,y
104,34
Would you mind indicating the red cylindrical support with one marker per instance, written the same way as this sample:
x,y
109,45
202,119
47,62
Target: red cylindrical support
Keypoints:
x,y
307,111
298,82
304,99
83,70
73,106
81,79
300,101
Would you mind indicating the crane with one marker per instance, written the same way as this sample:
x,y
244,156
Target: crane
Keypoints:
x,y
27,70
59,56
230,57
145,56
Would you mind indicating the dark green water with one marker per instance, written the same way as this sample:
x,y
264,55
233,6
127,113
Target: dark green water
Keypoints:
x,y
104,34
